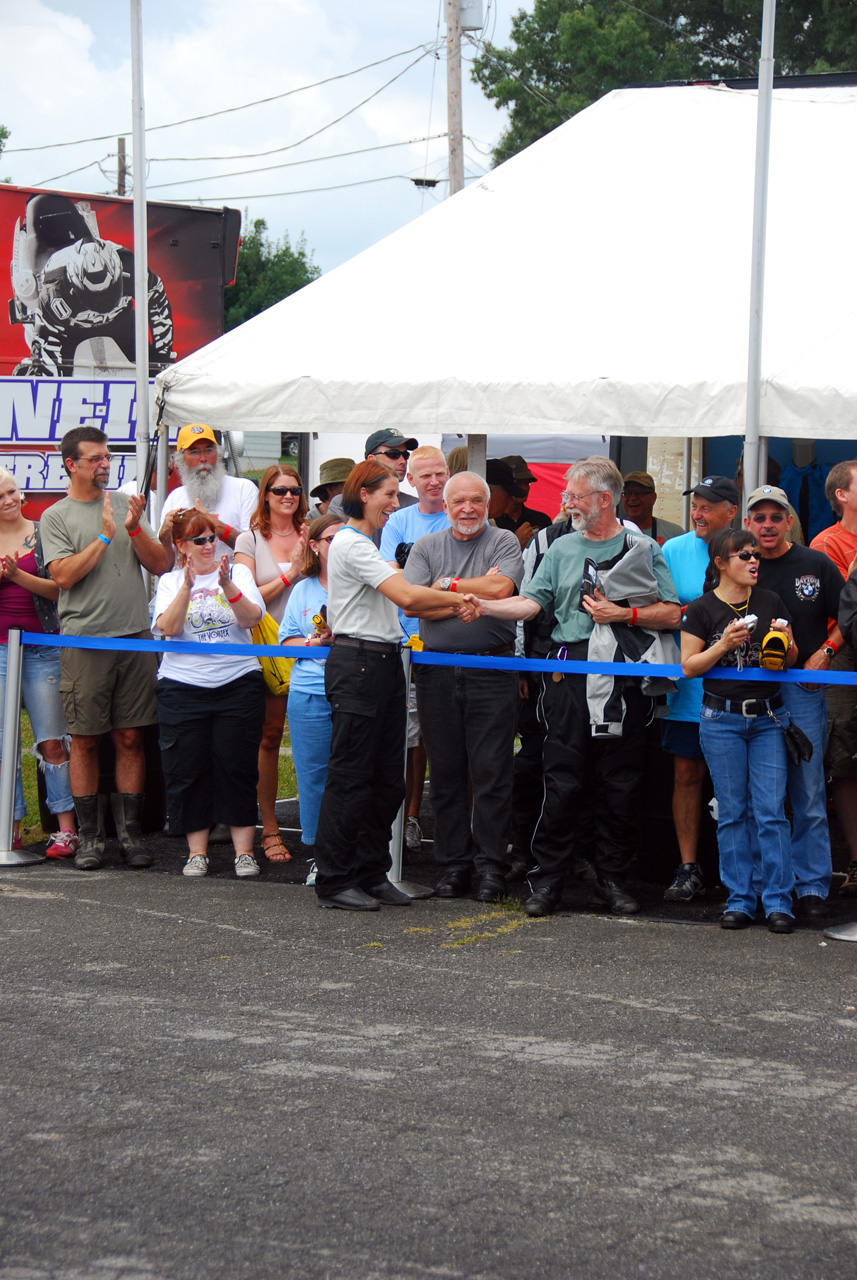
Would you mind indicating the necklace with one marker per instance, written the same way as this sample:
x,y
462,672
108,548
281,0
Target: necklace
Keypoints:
x,y
739,612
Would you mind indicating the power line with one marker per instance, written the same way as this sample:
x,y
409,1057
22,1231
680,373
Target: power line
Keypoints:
x,y
288,164
43,182
108,137
274,195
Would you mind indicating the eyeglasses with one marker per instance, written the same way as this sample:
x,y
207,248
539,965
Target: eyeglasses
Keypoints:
x,y
281,490
746,555
578,497
774,517
395,454
197,450
203,538
96,457
328,537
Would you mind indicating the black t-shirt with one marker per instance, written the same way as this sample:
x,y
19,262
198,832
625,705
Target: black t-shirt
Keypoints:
x,y
810,585
708,616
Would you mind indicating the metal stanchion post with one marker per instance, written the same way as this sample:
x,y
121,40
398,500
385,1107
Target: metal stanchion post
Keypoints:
x,y
10,857
397,837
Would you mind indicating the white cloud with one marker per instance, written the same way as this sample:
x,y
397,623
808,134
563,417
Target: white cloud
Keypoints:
x,y
70,77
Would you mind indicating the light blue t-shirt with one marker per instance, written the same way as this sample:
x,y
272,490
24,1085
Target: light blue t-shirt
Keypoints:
x,y
406,525
687,560
305,600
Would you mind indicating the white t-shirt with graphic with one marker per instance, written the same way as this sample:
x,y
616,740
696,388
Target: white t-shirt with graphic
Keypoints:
x,y
209,620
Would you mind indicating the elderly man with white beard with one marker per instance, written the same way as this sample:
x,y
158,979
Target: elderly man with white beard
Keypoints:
x,y
229,500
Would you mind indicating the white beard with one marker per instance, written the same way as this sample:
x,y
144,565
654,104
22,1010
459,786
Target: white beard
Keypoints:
x,y
203,483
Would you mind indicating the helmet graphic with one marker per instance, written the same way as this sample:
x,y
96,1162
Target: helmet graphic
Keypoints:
x,y
93,266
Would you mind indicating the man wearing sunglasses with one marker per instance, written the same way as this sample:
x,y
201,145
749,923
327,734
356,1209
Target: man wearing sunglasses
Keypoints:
x,y
390,447
230,501
810,585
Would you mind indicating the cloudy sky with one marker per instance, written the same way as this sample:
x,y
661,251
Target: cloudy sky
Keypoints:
x,y
67,77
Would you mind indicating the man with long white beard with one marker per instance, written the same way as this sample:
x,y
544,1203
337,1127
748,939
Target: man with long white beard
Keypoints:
x,y
230,501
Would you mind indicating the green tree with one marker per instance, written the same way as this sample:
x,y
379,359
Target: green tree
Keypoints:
x,y
4,138
268,271
566,54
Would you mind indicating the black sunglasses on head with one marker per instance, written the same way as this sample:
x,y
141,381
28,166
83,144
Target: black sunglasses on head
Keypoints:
x,y
282,489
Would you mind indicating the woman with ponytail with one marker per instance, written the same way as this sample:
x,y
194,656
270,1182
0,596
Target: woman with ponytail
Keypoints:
x,y
741,728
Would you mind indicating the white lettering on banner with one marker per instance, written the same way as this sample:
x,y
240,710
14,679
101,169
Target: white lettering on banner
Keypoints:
x,y
40,410
26,408
45,473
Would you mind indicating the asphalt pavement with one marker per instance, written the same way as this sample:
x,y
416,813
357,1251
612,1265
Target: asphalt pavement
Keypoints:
x,y
214,1078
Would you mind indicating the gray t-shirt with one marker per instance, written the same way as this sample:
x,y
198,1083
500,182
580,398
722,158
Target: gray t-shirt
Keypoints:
x,y
354,605
111,599
442,555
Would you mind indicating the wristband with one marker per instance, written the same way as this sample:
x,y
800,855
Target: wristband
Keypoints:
x,y
136,531
307,642
454,583
834,647
106,541
633,616
234,598
227,529
285,581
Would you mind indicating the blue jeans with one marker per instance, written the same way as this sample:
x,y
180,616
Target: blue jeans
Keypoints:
x,y
811,860
310,728
738,749
40,694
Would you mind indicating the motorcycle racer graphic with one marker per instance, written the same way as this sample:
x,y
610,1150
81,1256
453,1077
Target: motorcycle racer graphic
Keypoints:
x,y
72,287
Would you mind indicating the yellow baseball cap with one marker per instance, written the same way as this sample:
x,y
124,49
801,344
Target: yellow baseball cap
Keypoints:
x,y
191,434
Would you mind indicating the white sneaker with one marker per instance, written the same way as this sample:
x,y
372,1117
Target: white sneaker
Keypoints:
x,y
196,866
311,874
413,836
245,865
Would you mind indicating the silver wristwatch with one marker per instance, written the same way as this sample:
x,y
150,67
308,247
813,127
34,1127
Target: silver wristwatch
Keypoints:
x,y
445,584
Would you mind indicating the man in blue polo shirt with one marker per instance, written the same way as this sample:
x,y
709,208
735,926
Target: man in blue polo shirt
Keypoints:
x,y
427,473
714,502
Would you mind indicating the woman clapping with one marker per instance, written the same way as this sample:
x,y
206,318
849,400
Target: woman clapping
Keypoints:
x,y
210,707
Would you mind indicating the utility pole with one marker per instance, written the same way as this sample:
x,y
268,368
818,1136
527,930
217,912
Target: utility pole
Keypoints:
x,y
121,167
453,96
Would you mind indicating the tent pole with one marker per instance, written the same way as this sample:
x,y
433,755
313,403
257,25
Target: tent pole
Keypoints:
x,y
477,451
141,255
752,472
687,471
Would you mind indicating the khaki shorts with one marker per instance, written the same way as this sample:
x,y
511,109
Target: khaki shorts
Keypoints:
x,y
104,689
839,760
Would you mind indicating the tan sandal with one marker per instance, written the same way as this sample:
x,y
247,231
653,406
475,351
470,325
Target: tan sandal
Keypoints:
x,y
274,849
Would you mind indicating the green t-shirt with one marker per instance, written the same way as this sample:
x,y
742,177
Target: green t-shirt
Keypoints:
x,y
556,583
111,599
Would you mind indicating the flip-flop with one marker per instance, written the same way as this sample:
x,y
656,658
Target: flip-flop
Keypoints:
x,y
274,849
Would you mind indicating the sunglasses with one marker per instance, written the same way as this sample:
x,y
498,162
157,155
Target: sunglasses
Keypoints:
x,y
775,517
203,538
281,490
395,454
746,555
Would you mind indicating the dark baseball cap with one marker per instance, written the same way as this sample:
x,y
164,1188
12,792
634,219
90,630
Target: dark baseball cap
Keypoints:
x,y
716,489
389,438
502,475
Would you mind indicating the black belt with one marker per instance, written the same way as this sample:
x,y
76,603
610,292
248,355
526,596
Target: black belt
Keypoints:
x,y
372,646
748,708
502,651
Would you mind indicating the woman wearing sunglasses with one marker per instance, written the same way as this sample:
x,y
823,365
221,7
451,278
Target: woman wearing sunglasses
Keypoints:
x,y
741,729
273,550
210,706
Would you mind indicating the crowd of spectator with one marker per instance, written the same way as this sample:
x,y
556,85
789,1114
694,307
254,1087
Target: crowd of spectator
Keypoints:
x,y
464,568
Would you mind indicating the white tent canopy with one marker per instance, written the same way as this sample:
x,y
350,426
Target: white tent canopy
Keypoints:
x,y
597,283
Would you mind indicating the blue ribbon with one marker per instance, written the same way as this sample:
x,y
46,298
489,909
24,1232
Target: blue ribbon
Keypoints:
x,y
672,671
